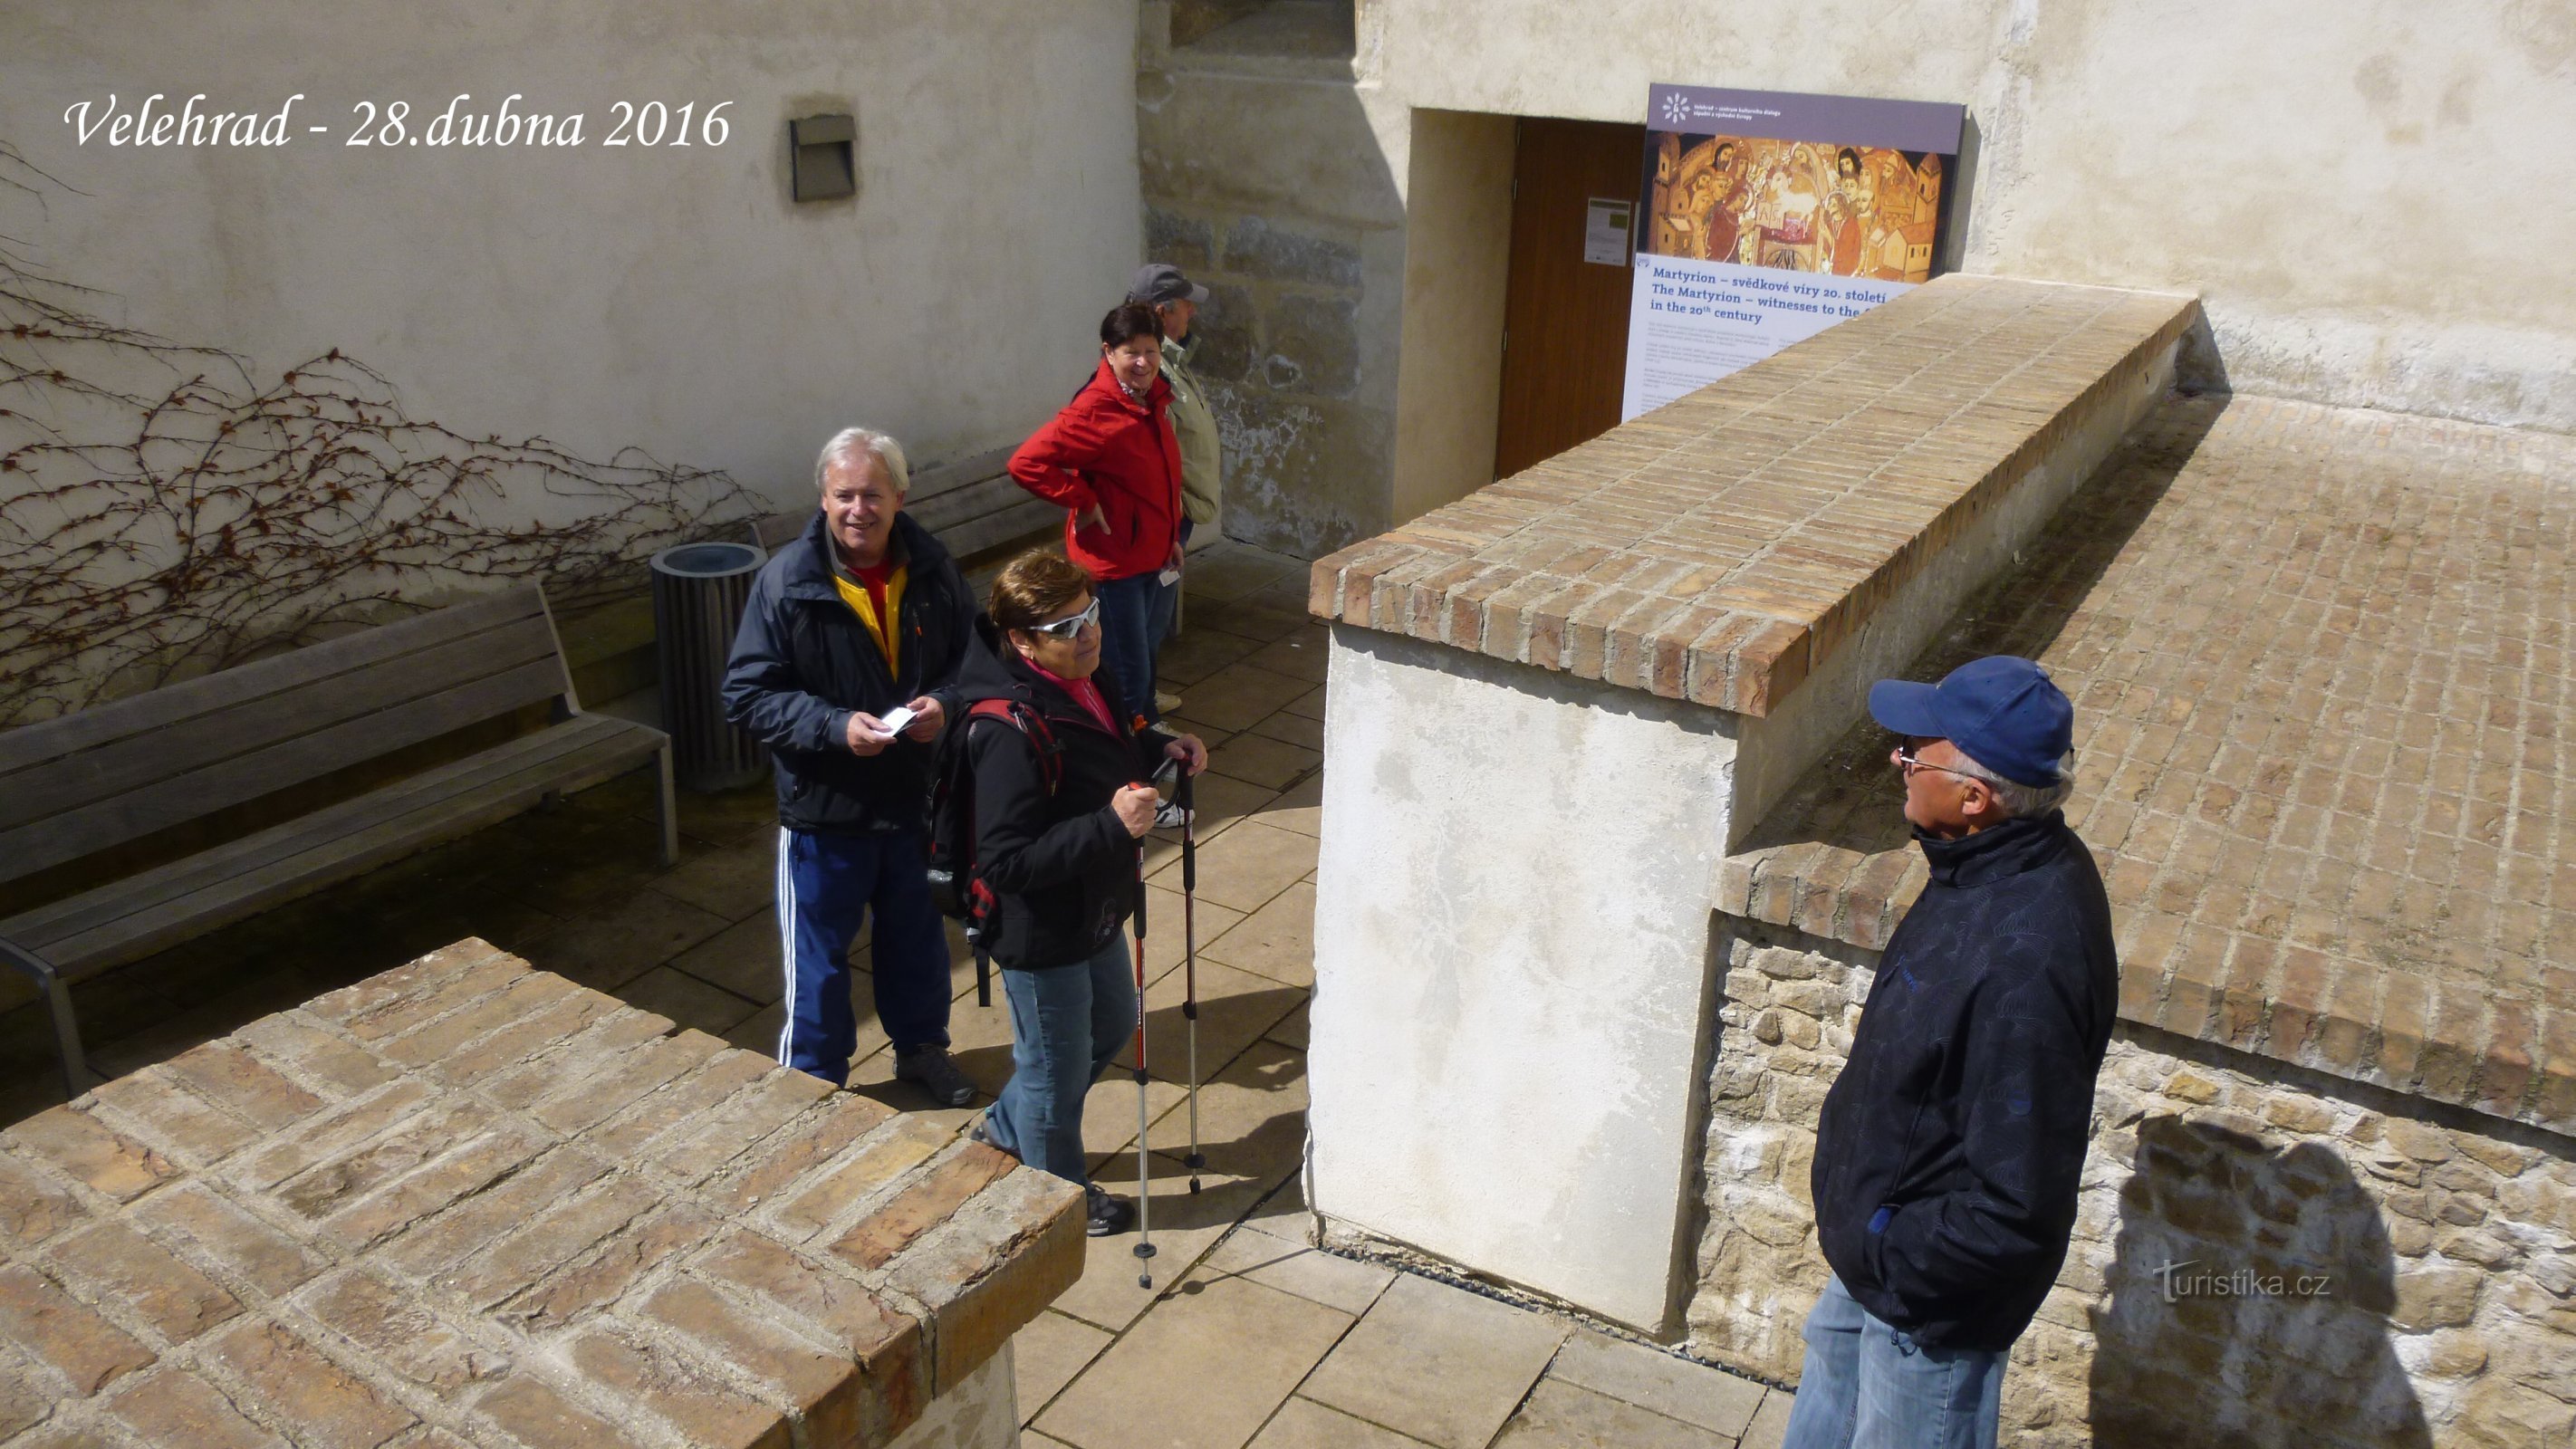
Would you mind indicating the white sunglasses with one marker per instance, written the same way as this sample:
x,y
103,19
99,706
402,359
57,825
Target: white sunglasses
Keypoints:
x,y
1068,627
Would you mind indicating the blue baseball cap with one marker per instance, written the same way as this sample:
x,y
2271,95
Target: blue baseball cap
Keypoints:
x,y
2004,711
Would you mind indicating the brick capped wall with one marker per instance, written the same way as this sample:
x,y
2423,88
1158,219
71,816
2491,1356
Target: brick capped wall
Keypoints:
x,y
1723,547
467,1202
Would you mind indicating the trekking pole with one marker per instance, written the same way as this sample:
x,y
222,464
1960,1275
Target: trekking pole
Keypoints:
x,y
1144,1152
1190,961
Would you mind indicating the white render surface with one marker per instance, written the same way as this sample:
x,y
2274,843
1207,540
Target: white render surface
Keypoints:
x,y
671,299
982,1412
1511,967
2304,167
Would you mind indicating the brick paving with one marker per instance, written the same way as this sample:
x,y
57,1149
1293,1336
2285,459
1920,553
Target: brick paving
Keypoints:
x,y
2320,661
578,893
1723,547
462,1197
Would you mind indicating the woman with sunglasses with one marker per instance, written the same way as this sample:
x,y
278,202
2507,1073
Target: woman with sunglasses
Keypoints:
x,y
1058,814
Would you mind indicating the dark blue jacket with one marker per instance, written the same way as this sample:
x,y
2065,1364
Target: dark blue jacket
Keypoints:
x,y
1952,1144
802,663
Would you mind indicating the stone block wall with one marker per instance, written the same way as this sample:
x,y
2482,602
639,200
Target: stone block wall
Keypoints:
x,y
2263,1254
1265,178
1279,347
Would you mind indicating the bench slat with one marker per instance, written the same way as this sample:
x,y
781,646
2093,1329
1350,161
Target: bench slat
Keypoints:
x,y
931,483
35,744
995,529
133,918
108,823
976,500
163,757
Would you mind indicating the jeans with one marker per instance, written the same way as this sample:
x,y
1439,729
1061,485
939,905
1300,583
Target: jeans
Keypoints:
x,y
1866,1385
826,886
1067,1026
1135,614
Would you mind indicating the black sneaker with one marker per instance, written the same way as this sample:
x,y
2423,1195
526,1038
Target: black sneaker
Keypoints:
x,y
981,1132
930,1069
1109,1215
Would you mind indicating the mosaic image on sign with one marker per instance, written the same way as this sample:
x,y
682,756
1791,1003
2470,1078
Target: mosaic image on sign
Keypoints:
x,y
1852,211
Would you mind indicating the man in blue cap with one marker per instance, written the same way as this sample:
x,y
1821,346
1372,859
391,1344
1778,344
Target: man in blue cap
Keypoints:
x,y
1951,1146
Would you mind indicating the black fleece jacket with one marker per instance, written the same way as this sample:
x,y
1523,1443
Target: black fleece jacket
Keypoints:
x,y
802,663
1061,867
1952,1144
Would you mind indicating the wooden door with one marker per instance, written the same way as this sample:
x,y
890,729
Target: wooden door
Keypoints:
x,y
1565,319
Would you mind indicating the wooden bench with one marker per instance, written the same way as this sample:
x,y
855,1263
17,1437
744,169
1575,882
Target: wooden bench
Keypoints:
x,y
971,505
103,780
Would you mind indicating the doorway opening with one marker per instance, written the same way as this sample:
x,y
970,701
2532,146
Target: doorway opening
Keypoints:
x,y
1566,297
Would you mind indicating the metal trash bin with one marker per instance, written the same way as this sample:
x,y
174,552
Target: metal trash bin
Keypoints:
x,y
699,590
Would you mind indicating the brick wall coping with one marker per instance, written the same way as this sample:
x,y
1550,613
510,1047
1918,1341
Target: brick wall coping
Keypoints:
x,y
1721,547
2320,663
467,1202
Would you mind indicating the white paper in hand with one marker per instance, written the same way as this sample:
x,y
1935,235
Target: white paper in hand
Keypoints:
x,y
895,719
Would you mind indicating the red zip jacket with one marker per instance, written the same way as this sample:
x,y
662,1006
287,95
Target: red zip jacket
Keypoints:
x,y
1106,448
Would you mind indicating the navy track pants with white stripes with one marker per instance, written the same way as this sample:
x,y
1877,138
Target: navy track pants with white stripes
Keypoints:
x,y
826,886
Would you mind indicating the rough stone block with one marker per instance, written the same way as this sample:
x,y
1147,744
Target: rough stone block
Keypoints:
x,y
113,1261
79,1144
63,1334
1256,248
324,1404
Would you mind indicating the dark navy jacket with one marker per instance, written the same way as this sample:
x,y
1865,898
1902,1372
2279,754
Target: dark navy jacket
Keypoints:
x,y
803,663
1952,1144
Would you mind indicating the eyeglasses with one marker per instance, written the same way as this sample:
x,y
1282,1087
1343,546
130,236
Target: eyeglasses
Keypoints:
x,y
1068,627
1907,764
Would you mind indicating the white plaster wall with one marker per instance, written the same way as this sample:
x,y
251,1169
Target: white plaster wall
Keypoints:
x,y
1512,971
2364,192
675,300
1457,254
981,1412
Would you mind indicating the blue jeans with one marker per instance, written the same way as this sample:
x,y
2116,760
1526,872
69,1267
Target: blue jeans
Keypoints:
x,y
1135,614
826,886
1067,1026
1866,1385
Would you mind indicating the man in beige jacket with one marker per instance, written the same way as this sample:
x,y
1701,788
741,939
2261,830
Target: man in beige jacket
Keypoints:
x,y
1176,299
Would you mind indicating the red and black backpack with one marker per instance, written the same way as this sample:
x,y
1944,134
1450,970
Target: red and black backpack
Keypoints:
x,y
956,877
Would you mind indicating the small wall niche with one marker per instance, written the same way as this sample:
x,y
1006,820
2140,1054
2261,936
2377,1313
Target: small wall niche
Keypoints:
x,y
823,152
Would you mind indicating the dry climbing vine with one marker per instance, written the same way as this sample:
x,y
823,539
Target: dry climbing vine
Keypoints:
x,y
162,512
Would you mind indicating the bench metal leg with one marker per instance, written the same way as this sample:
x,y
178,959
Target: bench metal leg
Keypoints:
x,y
58,1003
670,809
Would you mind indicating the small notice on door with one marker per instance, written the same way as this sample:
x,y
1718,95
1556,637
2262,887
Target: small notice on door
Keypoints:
x,y
1605,231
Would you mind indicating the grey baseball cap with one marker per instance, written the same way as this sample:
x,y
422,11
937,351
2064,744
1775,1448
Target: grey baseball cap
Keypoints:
x,y
1160,282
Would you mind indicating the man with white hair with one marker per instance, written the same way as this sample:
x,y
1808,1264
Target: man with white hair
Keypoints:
x,y
846,667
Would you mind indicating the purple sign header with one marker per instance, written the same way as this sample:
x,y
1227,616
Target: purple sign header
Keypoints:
x,y
1789,116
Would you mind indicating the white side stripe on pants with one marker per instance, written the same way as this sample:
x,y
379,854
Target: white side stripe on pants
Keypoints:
x,y
787,942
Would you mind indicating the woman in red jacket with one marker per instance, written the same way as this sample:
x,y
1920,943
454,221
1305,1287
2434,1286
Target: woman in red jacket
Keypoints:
x,y
1111,459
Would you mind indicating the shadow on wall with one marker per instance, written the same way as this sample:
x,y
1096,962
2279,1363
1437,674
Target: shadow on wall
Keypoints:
x,y
2022,610
2248,1302
1273,189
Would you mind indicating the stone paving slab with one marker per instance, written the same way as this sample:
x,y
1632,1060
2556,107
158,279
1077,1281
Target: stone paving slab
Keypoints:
x,y
2321,664
465,1197
1438,1363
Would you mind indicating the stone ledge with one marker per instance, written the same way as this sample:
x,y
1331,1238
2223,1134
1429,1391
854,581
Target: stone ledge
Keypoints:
x,y
476,1198
1721,548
